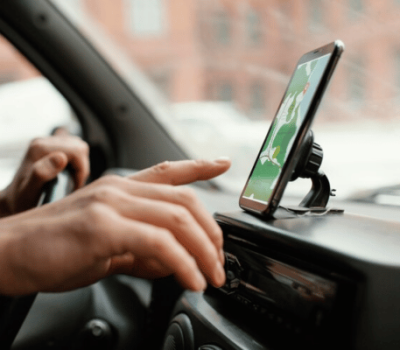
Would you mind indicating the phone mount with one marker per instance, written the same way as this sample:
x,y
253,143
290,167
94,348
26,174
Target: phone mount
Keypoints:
x,y
308,166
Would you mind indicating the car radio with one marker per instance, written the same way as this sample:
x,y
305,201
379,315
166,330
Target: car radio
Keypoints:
x,y
309,281
297,299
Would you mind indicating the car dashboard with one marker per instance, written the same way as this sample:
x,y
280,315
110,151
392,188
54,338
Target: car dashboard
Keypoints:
x,y
328,281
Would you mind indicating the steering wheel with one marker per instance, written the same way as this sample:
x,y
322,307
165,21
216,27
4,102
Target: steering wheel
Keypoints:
x,y
13,310
165,291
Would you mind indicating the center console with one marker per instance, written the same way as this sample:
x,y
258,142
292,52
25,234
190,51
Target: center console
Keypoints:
x,y
330,281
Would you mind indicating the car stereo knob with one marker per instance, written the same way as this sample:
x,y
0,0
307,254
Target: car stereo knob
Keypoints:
x,y
97,334
230,275
179,335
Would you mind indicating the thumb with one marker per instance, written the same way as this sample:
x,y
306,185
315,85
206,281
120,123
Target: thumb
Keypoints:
x,y
47,168
42,171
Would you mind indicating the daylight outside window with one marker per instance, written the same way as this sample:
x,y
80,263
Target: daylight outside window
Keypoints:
x,y
30,107
213,72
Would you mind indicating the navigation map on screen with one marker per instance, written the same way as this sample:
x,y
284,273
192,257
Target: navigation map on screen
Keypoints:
x,y
284,130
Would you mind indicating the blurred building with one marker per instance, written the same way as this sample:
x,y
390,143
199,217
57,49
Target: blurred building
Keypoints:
x,y
13,65
245,50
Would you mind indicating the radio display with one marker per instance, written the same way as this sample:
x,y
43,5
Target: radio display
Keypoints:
x,y
279,286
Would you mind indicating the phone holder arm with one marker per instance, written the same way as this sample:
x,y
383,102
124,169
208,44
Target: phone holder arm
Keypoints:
x,y
319,193
308,166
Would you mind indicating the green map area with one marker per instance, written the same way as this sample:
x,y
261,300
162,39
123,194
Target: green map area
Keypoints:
x,y
284,130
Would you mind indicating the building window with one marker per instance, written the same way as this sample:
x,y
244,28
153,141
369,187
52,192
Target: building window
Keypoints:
x,y
356,7
316,15
147,17
356,83
396,74
254,27
7,77
257,98
163,81
225,92
223,28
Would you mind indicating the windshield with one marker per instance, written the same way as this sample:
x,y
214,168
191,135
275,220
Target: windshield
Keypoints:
x,y
214,73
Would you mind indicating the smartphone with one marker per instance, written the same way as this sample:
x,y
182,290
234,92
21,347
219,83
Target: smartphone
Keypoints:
x,y
278,155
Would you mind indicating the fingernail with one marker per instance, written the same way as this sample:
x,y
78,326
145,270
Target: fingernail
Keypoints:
x,y
221,160
201,283
219,275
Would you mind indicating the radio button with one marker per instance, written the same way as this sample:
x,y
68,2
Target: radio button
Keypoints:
x,y
230,275
233,270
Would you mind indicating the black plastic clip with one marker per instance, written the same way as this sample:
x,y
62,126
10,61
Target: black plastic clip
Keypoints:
x,y
308,166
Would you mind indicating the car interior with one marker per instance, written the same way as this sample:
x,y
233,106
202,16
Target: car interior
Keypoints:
x,y
324,279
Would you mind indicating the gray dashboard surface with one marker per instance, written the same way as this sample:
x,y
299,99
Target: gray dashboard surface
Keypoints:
x,y
365,249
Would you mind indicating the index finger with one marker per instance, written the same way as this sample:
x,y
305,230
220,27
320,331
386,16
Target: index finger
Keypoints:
x,y
181,196
183,172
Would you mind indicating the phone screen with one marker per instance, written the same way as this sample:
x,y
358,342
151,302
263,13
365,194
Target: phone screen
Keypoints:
x,y
284,130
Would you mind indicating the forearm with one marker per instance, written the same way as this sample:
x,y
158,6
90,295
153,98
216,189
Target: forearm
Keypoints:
x,y
9,279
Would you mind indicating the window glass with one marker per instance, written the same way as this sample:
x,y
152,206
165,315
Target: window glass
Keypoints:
x,y
30,107
396,69
219,68
254,27
356,8
316,8
357,83
146,17
222,28
257,99
225,92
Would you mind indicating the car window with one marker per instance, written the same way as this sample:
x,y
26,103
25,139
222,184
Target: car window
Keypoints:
x,y
30,107
214,72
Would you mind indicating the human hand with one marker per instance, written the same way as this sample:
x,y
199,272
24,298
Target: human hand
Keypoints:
x,y
45,158
140,225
